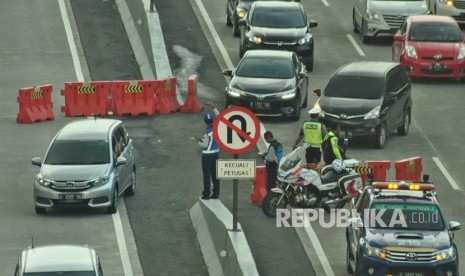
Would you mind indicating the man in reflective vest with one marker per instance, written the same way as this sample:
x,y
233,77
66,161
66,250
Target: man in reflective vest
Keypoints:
x,y
272,158
210,152
312,132
331,150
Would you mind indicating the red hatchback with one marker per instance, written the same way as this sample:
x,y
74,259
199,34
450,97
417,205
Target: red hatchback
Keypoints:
x,y
430,46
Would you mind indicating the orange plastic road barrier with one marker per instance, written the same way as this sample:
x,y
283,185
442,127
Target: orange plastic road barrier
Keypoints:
x,y
133,97
35,104
86,99
379,169
192,104
259,185
409,169
167,101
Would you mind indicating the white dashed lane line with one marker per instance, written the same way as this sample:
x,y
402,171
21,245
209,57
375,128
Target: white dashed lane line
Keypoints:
x,y
446,173
355,44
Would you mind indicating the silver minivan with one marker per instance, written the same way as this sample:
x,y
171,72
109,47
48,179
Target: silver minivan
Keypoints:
x,y
377,18
64,260
90,162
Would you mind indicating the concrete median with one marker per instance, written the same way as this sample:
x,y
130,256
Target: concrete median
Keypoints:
x,y
225,252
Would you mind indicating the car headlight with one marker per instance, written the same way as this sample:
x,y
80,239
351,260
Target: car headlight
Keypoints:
x,y
233,92
288,95
374,251
373,114
255,39
447,2
461,54
445,254
101,180
43,182
240,13
410,51
305,40
373,16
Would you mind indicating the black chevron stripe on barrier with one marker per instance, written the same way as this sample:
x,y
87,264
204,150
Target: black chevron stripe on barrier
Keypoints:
x,y
411,167
363,169
133,88
37,94
86,90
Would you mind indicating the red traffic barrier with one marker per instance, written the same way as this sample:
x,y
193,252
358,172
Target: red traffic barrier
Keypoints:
x,y
86,99
409,169
259,185
192,104
167,101
379,169
35,104
133,97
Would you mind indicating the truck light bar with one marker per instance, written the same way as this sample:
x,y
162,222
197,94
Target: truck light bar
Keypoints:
x,y
403,186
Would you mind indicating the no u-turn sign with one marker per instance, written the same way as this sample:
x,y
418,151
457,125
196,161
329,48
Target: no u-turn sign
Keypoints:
x,y
236,130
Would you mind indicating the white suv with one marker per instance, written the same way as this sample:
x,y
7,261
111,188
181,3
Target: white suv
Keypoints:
x,y
90,162
454,8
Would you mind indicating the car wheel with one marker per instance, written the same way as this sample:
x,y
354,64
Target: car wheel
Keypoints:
x,y
348,259
404,128
40,210
354,22
365,39
114,202
380,137
305,104
235,29
296,116
309,64
131,190
228,18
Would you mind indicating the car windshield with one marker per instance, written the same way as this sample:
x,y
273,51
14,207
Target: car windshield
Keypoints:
x,y
355,87
278,18
78,152
260,67
61,273
408,216
434,32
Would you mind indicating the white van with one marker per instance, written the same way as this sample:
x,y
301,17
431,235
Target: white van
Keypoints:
x,y
376,18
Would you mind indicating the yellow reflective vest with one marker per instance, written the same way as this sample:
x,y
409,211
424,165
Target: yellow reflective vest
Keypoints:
x,y
312,133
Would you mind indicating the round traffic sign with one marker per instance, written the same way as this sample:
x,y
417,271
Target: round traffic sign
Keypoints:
x,y
236,130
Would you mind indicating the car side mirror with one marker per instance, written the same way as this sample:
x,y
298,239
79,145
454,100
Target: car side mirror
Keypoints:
x,y
242,22
36,161
312,24
121,160
317,92
454,225
392,95
227,72
398,37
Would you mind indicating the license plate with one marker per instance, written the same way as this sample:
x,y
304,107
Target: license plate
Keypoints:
x,y
260,105
437,66
346,134
71,197
411,274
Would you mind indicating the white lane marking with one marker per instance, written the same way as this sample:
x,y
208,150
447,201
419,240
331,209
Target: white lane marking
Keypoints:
x,y
215,35
446,173
325,3
72,44
355,44
77,67
123,248
319,251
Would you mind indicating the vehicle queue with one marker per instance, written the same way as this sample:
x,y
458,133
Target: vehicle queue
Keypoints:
x,y
424,46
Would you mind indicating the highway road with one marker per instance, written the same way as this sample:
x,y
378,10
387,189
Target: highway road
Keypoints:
x,y
35,50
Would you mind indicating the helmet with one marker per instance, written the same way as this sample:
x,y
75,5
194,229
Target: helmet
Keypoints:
x,y
338,165
208,118
314,111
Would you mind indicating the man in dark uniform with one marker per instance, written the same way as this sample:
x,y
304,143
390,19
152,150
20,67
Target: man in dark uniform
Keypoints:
x,y
272,158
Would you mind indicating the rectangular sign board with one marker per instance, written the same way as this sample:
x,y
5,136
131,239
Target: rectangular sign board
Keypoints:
x,y
235,169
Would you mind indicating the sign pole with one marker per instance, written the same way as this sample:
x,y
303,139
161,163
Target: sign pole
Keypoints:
x,y
235,200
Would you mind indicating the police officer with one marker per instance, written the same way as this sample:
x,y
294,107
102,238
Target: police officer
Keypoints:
x,y
272,158
312,132
331,150
210,152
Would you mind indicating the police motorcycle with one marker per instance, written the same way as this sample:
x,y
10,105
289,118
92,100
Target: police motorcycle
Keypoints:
x,y
302,187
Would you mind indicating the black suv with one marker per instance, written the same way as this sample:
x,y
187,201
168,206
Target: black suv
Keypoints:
x,y
397,228
278,25
368,98
237,9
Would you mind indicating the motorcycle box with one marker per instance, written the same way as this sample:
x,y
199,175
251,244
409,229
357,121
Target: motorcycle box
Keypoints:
x,y
350,184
